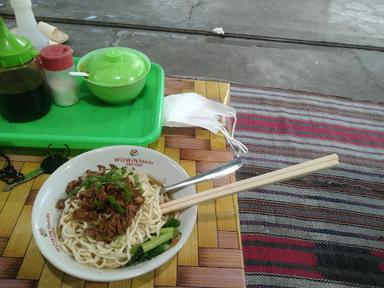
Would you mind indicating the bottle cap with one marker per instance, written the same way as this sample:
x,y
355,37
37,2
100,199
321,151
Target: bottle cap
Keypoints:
x,y
56,57
14,50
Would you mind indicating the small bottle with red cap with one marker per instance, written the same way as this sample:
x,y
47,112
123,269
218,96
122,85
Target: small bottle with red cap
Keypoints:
x,y
57,61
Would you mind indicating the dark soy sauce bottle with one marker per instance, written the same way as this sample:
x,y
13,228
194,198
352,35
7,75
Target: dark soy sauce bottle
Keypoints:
x,y
23,92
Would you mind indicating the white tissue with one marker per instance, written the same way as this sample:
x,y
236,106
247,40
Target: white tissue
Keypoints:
x,y
194,110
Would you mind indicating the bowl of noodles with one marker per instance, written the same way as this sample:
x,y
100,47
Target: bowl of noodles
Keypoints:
x,y
98,217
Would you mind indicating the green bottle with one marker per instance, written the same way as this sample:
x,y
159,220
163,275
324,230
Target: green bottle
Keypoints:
x,y
23,93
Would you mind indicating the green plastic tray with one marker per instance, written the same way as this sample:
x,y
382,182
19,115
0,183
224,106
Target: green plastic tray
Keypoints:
x,y
90,123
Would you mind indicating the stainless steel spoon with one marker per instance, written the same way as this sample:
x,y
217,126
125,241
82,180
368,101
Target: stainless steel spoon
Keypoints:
x,y
220,171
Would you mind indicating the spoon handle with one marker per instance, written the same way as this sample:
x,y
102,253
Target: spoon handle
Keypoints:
x,y
220,171
82,74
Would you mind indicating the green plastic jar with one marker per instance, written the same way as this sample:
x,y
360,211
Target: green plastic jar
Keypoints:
x,y
116,74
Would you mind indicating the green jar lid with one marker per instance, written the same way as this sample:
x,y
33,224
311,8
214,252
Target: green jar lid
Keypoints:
x,y
14,50
115,66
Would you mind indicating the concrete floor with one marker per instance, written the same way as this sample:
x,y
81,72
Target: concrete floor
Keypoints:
x,y
326,46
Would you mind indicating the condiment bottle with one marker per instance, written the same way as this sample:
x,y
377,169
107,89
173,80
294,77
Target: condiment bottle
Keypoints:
x,y
57,61
23,93
26,23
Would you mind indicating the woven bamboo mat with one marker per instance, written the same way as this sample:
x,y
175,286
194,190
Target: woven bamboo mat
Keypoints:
x,y
212,256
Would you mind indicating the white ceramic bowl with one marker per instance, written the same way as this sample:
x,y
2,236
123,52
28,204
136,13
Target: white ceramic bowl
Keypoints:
x,y
45,215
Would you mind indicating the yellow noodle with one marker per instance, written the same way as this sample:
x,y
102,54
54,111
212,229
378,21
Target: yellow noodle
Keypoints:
x,y
86,250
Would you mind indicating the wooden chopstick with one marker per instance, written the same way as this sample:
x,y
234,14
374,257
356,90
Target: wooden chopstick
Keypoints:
x,y
280,175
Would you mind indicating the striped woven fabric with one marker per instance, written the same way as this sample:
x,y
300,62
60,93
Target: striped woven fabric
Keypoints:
x,y
323,230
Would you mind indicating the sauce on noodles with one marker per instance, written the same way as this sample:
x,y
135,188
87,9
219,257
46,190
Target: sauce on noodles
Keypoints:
x,y
108,202
112,218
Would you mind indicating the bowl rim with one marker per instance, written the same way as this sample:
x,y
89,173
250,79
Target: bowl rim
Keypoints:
x,y
91,53
103,277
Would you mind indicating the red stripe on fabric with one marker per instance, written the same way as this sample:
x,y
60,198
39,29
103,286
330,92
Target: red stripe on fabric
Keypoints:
x,y
353,134
377,253
282,255
381,267
283,271
312,123
257,127
282,240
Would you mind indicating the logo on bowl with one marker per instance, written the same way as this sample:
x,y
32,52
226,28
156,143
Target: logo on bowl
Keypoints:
x,y
42,232
133,161
51,232
134,152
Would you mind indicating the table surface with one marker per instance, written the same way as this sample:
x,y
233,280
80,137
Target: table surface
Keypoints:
x,y
212,256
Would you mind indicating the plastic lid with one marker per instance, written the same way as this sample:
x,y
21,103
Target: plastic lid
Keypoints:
x,y
115,66
56,57
14,50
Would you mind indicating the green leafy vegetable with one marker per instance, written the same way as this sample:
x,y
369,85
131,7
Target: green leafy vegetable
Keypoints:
x,y
172,222
138,183
87,183
98,185
167,230
74,191
137,253
115,204
127,193
156,251
137,180
115,176
152,248
156,241
99,204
